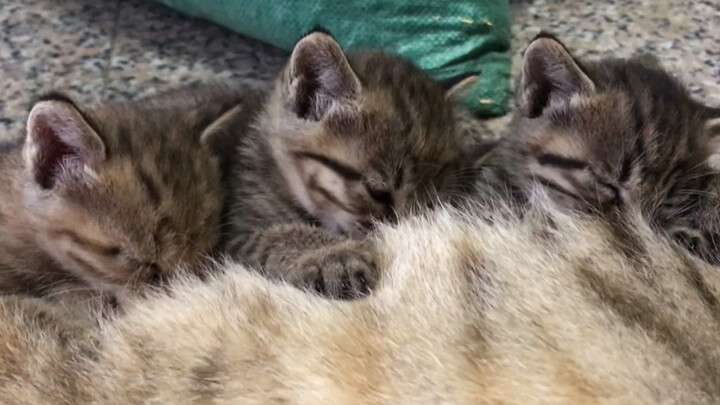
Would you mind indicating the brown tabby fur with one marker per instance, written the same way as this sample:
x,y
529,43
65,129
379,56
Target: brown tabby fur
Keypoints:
x,y
598,135
552,306
112,197
340,144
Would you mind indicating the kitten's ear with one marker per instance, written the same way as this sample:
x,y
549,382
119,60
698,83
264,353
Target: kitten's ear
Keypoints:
x,y
216,128
318,77
60,142
457,91
549,74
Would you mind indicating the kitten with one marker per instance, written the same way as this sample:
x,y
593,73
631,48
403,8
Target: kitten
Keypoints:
x,y
467,312
341,143
110,197
598,135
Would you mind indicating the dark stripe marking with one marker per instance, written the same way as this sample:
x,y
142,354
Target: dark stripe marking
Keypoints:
x,y
381,196
399,177
93,246
549,159
150,187
313,185
90,269
639,118
304,214
341,169
125,141
638,310
325,193
553,186
625,169
617,198
639,155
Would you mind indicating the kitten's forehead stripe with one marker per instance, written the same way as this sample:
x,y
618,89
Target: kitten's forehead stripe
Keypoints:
x,y
414,96
124,138
626,169
150,187
639,117
399,173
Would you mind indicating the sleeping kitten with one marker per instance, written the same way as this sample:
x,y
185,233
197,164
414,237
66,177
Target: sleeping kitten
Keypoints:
x,y
112,197
598,135
467,312
342,142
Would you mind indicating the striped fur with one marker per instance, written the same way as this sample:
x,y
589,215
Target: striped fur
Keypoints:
x,y
600,135
514,311
474,306
340,144
111,197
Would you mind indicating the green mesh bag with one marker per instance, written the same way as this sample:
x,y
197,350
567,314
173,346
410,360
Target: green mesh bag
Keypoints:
x,y
448,39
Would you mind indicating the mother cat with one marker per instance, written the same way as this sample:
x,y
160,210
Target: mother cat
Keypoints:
x,y
550,308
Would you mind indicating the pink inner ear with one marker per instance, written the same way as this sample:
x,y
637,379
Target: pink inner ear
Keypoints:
x,y
52,152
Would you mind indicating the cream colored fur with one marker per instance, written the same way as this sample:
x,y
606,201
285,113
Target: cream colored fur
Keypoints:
x,y
517,312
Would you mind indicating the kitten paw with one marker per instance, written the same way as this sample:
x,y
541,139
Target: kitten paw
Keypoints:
x,y
346,271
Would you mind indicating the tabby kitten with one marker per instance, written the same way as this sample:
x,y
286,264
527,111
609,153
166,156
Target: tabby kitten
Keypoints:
x,y
342,142
111,197
598,135
467,312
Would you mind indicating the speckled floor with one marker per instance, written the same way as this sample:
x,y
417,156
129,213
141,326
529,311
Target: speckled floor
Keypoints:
x,y
117,49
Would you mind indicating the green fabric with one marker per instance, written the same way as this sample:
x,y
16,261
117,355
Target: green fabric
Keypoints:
x,y
449,39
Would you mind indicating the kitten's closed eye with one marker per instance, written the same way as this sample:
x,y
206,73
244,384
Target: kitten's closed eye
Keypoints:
x,y
615,134
382,197
340,168
575,179
549,159
343,195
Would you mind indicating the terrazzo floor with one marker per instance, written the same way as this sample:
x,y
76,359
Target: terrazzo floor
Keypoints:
x,y
118,49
